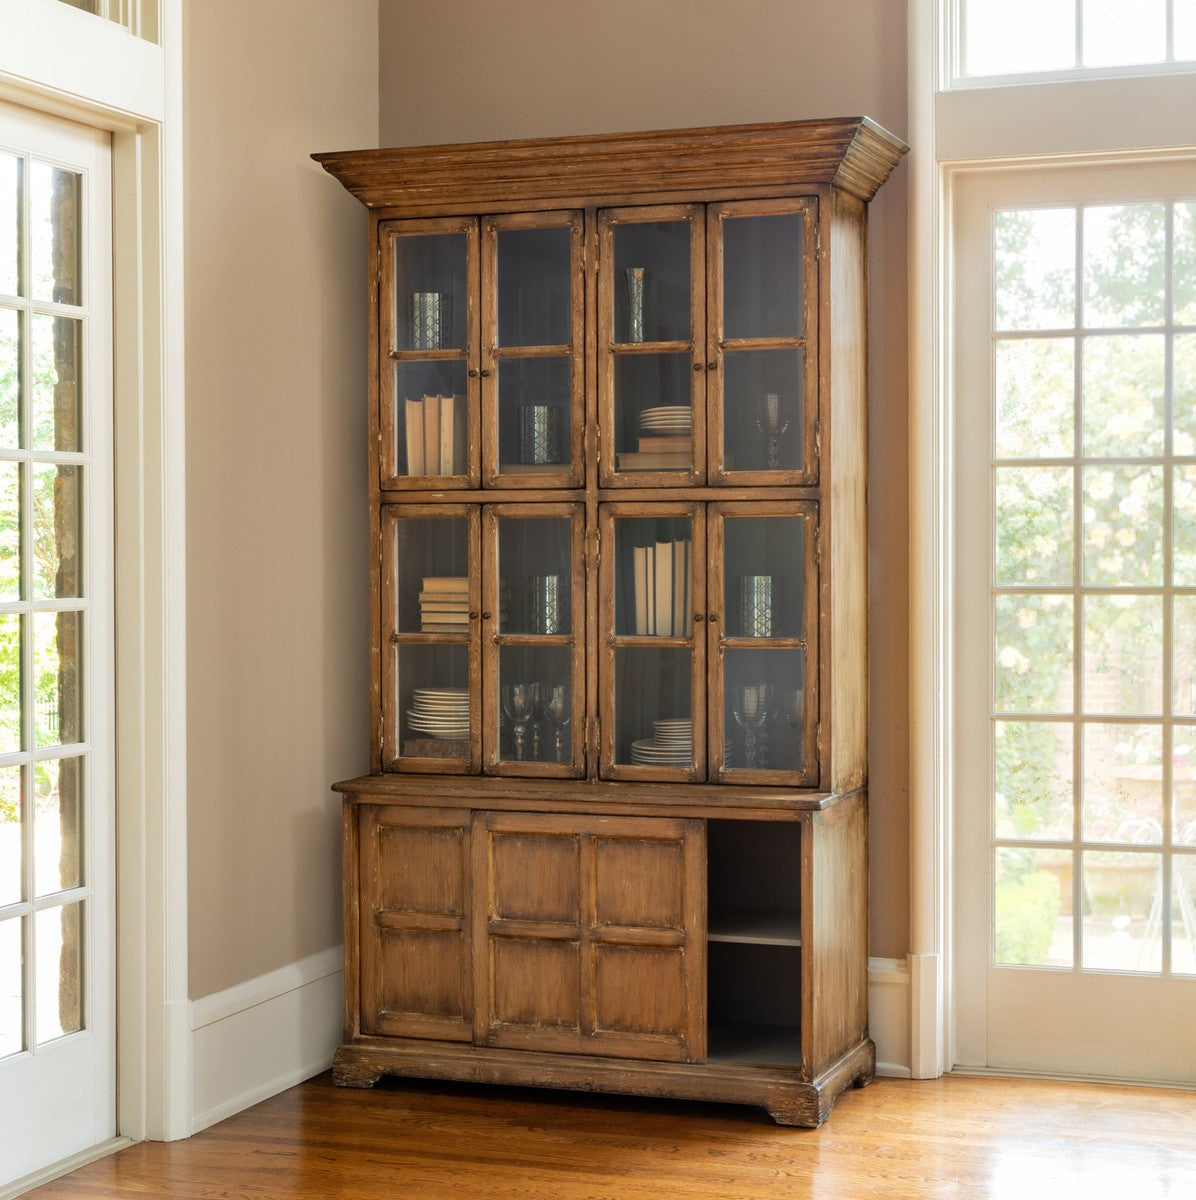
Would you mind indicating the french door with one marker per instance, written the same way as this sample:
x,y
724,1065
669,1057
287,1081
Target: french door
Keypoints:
x,y
57,857
1075,904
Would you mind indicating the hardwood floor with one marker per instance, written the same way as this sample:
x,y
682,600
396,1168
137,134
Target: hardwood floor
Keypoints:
x,y
957,1137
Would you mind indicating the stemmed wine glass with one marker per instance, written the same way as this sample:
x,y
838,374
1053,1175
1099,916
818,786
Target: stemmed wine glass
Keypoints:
x,y
750,703
554,704
519,703
772,422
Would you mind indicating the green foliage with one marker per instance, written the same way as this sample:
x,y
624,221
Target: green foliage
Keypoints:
x,y
1027,902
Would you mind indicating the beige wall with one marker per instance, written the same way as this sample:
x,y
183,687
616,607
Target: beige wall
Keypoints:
x,y
465,70
277,642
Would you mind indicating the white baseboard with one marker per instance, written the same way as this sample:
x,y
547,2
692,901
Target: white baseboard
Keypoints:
x,y
888,1015
259,1038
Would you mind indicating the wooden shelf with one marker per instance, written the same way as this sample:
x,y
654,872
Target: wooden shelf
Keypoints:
x,y
755,926
759,1045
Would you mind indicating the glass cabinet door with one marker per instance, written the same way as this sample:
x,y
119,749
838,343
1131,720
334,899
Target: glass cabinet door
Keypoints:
x,y
533,622
651,376
763,642
533,334
429,351
652,689
762,284
431,646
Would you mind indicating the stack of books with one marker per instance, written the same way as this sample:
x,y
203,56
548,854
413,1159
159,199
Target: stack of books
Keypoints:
x,y
437,435
664,442
444,604
661,576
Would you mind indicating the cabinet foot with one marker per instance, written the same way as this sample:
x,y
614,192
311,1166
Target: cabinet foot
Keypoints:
x,y
348,1070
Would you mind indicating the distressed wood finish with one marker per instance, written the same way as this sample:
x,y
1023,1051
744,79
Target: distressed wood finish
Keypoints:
x,y
520,921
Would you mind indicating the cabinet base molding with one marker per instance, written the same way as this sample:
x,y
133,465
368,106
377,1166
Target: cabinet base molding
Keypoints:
x,y
788,1099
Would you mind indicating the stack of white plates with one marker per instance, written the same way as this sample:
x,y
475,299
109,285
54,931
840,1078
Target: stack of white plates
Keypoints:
x,y
440,712
671,745
675,418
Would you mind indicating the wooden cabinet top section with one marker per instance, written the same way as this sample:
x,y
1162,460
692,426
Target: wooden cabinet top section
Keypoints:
x,y
852,153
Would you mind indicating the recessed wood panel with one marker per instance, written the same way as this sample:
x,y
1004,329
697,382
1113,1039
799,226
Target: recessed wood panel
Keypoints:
x,y
640,990
638,883
423,973
421,870
535,878
535,983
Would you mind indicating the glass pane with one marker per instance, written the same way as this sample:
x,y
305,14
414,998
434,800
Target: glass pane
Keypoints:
x,y
57,518
1183,785
1032,921
764,709
1123,526
1183,267
653,706
58,937
652,573
535,564
536,696
1183,915
1123,396
762,276
1123,655
58,810
1121,932
431,296
433,698
1183,389
10,378
55,230
1113,38
1183,649
10,531
534,298
56,347
534,411
12,1006
1185,29
1123,784
10,683
1034,262
432,563
653,412
996,41
10,208
431,418
10,836
652,282
1183,504
763,564
57,656
1034,776
1124,264
1034,655
1035,519
1035,398
762,409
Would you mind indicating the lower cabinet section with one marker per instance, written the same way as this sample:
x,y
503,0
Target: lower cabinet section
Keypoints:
x,y
705,957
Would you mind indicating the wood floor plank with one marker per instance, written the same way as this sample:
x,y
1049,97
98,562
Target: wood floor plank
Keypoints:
x,y
957,1138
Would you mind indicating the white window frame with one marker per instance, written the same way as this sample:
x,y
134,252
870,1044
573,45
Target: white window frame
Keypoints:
x,y
62,61
1142,116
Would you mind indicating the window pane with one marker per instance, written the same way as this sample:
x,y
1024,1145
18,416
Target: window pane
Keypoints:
x,y
57,656
534,295
10,836
1183,787
12,1010
56,344
10,531
1034,776
10,378
1183,915
1183,651
10,683
1123,526
1124,265
1185,29
57,514
1032,898
1119,892
54,198
1033,653
59,986
58,805
1034,524
1034,268
652,274
534,398
1184,245
10,207
653,706
1123,655
1123,784
998,41
1116,34
762,276
1183,502
1123,395
1183,390
1035,397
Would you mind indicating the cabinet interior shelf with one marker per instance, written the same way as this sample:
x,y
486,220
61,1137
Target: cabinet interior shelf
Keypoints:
x,y
760,1045
755,926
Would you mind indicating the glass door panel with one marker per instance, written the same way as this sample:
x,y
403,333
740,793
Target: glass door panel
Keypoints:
x,y
534,639
533,335
763,289
652,685
763,643
430,599
651,374
429,335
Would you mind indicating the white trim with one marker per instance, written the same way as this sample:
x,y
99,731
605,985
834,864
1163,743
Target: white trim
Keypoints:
x,y
48,1174
261,1037
888,1015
